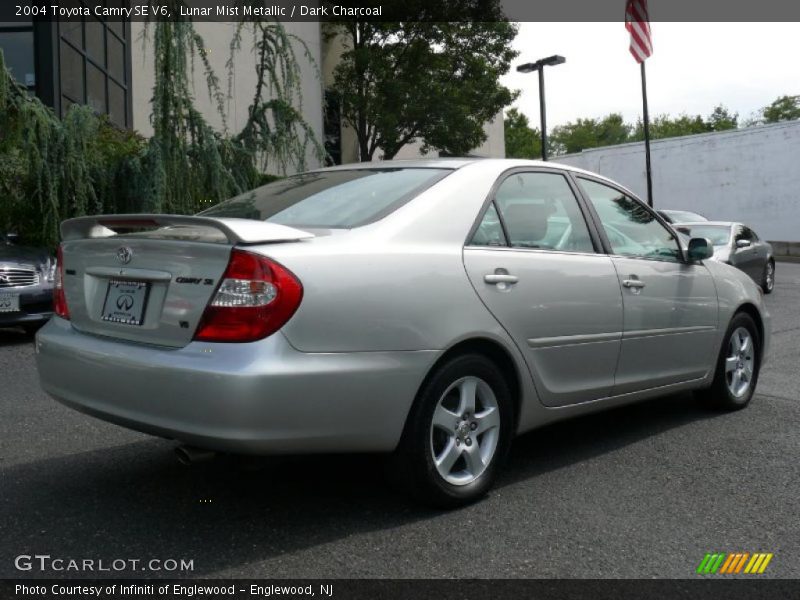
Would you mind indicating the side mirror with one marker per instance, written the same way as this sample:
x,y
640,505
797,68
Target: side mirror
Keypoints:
x,y
700,249
743,243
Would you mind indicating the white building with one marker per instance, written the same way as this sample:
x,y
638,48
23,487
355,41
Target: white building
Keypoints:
x,y
749,175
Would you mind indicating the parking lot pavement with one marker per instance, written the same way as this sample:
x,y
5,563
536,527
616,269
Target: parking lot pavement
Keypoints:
x,y
643,491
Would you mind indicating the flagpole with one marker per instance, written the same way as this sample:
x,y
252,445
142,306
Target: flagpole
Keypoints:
x,y
646,137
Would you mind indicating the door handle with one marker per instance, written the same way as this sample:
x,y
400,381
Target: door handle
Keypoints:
x,y
633,283
500,278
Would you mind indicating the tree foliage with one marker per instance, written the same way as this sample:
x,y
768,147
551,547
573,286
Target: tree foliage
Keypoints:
x,y
610,130
589,133
784,108
437,82
522,140
52,169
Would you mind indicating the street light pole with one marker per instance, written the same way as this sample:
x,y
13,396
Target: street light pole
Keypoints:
x,y
539,66
542,114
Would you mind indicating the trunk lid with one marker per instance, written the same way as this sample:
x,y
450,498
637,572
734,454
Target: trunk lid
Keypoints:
x,y
152,286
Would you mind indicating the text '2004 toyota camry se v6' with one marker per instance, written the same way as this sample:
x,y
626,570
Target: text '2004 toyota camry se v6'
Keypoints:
x,y
431,309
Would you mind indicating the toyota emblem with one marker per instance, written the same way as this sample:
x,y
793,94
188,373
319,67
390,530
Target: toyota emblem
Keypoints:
x,y
124,255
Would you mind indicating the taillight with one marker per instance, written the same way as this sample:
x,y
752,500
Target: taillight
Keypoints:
x,y
59,298
256,297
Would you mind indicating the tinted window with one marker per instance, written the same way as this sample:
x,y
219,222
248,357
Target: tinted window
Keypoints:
x,y
17,47
540,211
631,229
745,233
330,199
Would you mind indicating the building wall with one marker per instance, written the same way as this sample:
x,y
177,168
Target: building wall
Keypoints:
x,y
749,175
217,37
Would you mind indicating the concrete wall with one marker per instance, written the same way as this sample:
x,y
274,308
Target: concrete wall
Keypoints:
x,y
217,37
750,175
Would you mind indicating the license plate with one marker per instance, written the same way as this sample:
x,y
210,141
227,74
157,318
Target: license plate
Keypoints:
x,y
125,302
9,302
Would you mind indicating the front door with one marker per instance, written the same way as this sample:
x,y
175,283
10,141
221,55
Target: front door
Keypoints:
x,y
533,263
670,306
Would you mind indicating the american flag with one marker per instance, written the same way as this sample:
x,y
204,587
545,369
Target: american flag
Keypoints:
x,y
637,24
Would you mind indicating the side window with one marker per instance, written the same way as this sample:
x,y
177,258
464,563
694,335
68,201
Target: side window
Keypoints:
x,y
631,229
490,231
741,234
539,210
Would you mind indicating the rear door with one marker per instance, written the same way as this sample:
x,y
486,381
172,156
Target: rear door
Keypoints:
x,y
670,306
532,260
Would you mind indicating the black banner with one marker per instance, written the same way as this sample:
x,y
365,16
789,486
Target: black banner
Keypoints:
x,y
19,11
446,589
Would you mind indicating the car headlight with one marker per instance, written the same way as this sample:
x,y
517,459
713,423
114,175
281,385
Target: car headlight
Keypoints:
x,y
49,270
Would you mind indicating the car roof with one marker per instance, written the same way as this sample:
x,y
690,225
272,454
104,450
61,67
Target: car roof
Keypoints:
x,y
501,164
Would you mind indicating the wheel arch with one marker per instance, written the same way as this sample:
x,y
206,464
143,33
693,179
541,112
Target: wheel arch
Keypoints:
x,y
494,351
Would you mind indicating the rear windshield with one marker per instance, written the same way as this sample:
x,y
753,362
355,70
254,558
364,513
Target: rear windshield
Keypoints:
x,y
330,199
680,216
719,235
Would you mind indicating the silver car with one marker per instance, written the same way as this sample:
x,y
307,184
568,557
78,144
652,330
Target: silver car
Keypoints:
x,y
428,309
26,284
738,245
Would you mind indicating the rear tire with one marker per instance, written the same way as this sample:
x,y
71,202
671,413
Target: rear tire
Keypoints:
x,y
737,367
768,277
457,434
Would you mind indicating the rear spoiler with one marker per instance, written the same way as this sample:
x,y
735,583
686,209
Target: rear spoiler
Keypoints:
x,y
237,231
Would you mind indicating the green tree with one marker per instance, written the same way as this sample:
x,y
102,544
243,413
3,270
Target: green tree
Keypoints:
x,y
437,82
589,133
665,126
522,141
721,119
784,108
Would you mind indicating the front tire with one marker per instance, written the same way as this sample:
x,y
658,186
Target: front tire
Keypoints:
x,y
768,278
457,434
737,367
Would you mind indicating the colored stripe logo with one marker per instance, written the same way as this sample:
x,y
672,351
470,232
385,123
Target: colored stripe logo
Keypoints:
x,y
734,563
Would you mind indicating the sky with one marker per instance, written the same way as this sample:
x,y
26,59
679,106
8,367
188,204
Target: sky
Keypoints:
x,y
694,67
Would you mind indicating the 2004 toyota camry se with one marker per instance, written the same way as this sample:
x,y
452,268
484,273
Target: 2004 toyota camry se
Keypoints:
x,y
432,309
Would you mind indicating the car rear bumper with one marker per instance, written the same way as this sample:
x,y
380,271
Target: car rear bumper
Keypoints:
x,y
263,397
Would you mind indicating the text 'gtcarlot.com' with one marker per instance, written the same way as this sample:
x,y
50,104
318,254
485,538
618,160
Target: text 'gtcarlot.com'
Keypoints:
x,y
45,562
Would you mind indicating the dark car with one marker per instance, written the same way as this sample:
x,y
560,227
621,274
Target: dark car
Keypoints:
x,y
26,284
681,216
738,245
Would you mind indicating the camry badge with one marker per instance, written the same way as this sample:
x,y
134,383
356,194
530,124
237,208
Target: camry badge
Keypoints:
x,y
124,255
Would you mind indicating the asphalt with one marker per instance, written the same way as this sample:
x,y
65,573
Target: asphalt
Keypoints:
x,y
639,492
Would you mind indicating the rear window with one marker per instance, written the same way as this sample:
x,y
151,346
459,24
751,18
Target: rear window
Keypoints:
x,y
330,199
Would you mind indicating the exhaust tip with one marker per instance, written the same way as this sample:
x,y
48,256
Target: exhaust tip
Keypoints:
x,y
189,455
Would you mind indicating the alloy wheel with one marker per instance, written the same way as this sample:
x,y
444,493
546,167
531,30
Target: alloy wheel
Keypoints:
x,y
740,362
769,277
465,430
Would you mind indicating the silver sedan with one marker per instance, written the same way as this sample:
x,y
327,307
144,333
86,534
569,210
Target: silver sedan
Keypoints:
x,y
427,309
738,245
